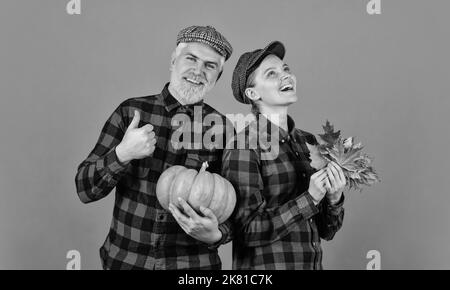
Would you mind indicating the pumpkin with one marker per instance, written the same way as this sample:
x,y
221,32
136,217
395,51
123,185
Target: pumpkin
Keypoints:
x,y
197,188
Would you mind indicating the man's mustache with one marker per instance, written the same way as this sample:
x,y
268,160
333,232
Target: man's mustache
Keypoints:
x,y
197,78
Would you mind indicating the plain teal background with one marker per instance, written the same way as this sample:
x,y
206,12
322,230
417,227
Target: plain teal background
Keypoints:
x,y
382,78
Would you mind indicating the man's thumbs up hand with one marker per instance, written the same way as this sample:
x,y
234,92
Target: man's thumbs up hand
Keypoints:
x,y
135,122
137,143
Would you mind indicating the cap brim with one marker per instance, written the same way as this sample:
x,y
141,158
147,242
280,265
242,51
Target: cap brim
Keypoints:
x,y
275,47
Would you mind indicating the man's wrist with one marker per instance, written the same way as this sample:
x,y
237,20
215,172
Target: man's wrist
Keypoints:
x,y
121,156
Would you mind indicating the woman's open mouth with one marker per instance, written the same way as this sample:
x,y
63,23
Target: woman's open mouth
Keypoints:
x,y
287,88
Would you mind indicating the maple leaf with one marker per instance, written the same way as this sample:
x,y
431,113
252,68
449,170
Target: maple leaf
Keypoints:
x,y
348,159
347,154
330,136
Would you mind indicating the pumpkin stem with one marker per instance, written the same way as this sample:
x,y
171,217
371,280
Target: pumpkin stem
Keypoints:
x,y
204,166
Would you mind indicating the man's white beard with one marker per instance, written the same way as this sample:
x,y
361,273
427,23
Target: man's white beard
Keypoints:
x,y
190,94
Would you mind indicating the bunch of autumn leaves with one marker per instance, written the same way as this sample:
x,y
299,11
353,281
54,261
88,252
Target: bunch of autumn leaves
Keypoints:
x,y
347,154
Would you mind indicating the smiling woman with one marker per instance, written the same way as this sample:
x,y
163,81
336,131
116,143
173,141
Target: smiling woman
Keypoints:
x,y
284,207
276,84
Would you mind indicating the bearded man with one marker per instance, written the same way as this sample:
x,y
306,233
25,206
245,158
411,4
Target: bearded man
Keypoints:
x,y
135,146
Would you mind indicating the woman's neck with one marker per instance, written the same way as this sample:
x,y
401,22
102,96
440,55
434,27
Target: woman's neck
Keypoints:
x,y
277,115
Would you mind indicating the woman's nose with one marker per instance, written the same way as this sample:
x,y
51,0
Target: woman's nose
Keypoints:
x,y
285,76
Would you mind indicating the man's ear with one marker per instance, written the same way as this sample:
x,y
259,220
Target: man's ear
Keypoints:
x,y
252,94
172,60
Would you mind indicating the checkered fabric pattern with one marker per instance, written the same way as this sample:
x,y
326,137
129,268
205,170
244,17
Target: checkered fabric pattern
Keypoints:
x,y
207,35
142,234
276,224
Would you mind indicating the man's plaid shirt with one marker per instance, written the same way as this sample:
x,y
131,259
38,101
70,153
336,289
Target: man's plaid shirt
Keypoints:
x,y
276,224
142,234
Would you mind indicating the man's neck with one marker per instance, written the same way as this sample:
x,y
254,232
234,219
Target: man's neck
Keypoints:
x,y
175,94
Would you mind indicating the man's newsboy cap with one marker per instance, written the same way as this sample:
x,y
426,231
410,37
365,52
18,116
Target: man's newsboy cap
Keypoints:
x,y
207,35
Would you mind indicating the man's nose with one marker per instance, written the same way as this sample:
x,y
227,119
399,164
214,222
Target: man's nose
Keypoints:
x,y
198,67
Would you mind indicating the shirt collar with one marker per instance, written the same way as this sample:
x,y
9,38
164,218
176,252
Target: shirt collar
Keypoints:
x,y
283,134
170,103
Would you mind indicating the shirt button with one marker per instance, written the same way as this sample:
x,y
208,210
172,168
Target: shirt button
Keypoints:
x,y
282,141
310,220
296,153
